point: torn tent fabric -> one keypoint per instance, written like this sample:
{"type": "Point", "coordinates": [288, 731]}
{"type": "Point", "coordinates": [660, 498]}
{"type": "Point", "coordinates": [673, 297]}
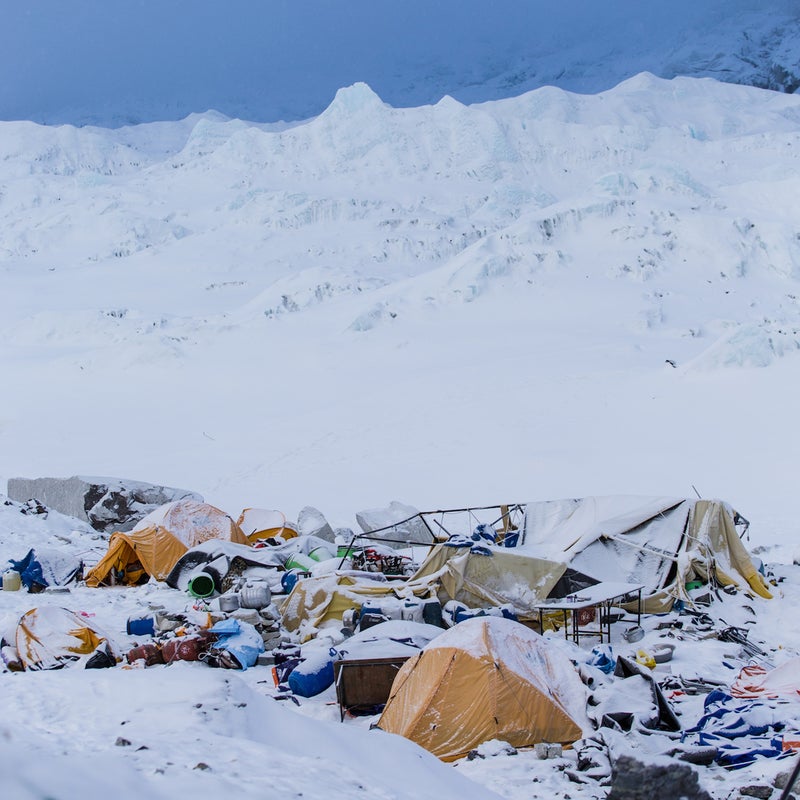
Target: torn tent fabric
{"type": "Point", "coordinates": [757, 681]}
{"type": "Point", "coordinates": [744, 729]}
{"type": "Point", "coordinates": [660, 542]}
{"type": "Point", "coordinates": [507, 578]}
{"type": "Point", "coordinates": [42, 567]}
{"type": "Point", "coordinates": [316, 601]}
{"type": "Point", "coordinates": [51, 638]}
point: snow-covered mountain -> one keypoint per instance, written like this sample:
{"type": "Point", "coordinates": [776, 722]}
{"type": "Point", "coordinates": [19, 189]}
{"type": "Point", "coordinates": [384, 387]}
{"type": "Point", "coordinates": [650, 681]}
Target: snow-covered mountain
{"type": "Point", "coordinates": [544, 296]}
{"type": "Point", "coordinates": [114, 63]}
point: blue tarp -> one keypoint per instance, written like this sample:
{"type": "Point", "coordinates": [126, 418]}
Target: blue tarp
{"type": "Point", "coordinates": [740, 729]}
{"type": "Point", "coordinates": [42, 567]}
{"type": "Point", "coordinates": [240, 639]}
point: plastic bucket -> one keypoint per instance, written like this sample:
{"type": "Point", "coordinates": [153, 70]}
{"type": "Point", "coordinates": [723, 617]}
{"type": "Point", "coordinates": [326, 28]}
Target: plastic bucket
{"type": "Point", "coordinates": [12, 582]}
{"type": "Point", "coordinates": [344, 551]}
{"type": "Point", "coordinates": [300, 561]}
{"type": "Point", "coordinates": [229, 602]}
{"type": "Point", "coordinates": [320, 554]}
{"type": "Point", "coordinates": [201, 585]}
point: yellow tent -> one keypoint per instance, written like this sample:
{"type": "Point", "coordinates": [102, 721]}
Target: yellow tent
{"type": "Point", "coordinates": [50, 637]}
{"type": "Point", "coordinates": [154, 546]}
{"type": "Point", "coordinates": [486, 678]}
{"type": "Point", "coordinates": [260, 523]}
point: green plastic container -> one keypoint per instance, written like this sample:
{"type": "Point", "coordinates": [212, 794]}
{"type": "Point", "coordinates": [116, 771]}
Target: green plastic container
{"type": "Point", "coordinates": [320, 554]}
{"type": "Point", "coordinates": [300, 561]}
{"type": "Point", "coordinates": [201, 585]}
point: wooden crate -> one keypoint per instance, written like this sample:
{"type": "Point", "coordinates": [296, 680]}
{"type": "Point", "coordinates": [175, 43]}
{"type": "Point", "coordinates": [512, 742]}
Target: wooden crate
{"type": "Point", "coordinates": [364, 685]}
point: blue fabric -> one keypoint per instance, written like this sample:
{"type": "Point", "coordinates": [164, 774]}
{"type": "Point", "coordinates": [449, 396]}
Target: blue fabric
{"type": "Point", "coordinates": [240, 639]}
{"type": "Point", "coordinates": [741, 730]}
{"type": "Point", "coordinates": [602, 657]}
{"type": "Point", "coordinates": [46, 568]}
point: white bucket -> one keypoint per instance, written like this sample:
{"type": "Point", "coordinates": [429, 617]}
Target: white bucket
{"type": "Point", "coordinates": [300, 561]}
{"type": "Point", "coordinates": [320, 553]}
{"type": "Point", "coordinates": [228, 602]}
{"type": "Point", "coordinates": [12, 582]}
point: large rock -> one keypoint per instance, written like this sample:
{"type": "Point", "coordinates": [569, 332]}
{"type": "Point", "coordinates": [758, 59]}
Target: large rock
{"type": "Point", "coordinates": [396, 525]}
{"type": "Point", "coordinates": [311, 522]}
{"type": "Point", "coordinates": [661, 779]}
{"type": "Point", "coordinates": [107, 504]}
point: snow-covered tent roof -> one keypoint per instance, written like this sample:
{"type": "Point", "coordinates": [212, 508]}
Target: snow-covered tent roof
{"type": "Point", "coordinates": [660, 542]}
{"type": "Point", "coordinates": [486, 678]}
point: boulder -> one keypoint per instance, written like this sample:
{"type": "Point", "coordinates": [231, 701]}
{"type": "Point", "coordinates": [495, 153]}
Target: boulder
{"type": "Point", "coordinates": [311, 522]}
{"type": "Point", "coordinates": [107, 504]}
{"type": "Point", "coordinates": [664, 779]}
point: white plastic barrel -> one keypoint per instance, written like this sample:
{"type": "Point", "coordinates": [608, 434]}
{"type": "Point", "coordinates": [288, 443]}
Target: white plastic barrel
{"type": "Point", "coordinates": [12, 582]}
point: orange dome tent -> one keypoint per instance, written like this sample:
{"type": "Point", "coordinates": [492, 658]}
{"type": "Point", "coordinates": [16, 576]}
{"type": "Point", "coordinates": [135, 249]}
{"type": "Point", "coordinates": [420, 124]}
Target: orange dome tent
{"type": "Point", "coordinates": [154, 546]}
{"type": "Point", "coordinates": [486, 678]}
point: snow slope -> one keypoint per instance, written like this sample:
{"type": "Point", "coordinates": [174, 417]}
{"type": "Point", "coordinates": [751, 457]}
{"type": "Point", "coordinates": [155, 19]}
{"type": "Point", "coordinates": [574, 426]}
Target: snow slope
{"type": "Point", "coordinates": [553, 295]}
{"type": "Point", "coordinates": [115, 63]}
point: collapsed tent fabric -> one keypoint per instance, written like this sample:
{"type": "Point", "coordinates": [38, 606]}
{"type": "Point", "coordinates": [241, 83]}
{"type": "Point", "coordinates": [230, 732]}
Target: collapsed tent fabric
{"type": "Point", "coordinates": [51, 637]}
{"type": "Point", "coordinates": [506, 577]}
{"type": "Point", "coordinates": [757, 681]}
{"type": "Point", "coordinates": [660, 542]}
{"type": "Point", "coordinates": [486, 678]}
{"type": "Point", "coordinates": [41, 567]}
{"type": "Point", "coordinates": [154, 546]}
{"type": "Point", "coordinates": [221, 559]}
{"type": "Point", "coordinates": [261, 523]}
{"type": "Point", "coordinates": [315, 601]}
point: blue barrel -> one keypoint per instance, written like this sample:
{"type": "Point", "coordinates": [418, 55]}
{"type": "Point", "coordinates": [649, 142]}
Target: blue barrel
{"type": "Point", "coordinates": [141, 626]}
{"type": "Point", "coordinates": [313, 675]}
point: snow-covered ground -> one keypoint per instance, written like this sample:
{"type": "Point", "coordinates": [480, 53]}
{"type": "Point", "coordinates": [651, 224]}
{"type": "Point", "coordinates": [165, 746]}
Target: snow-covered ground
{"type": "Point", "coordinates": [186, 727]}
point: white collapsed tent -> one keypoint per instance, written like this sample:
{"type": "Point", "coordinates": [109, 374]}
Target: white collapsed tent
{"type": "Point", "coordinates": [662, 543]}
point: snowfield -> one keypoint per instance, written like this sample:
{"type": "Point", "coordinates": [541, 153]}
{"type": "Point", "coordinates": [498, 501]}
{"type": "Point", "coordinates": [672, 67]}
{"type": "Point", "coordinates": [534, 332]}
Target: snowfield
{"type": "Point", "coordinates": [548, 296]}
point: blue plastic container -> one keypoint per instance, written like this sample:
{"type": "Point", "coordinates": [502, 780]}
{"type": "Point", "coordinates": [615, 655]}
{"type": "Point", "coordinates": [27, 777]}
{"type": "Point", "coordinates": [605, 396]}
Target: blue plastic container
{"type": "Point", "coordinates": [511, 539]}
{"type": "Point", "coordinates": [314, 675]}
{"type": "Point", "coordinates": [141, 626]}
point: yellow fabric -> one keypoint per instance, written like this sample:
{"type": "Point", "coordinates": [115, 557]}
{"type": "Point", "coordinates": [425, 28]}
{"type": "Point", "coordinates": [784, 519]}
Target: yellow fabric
{"type": "Point", "coordinates": [505, 577]}
{"type": "Point", "coordinates": [259, 523]}
{"type": "Point", "coordinates": [86, 641]}
{"type": "Point", "coordinates": [730, 557]}
{"type": "Point", "coordinates": [451, 699]}
{"type": "Point", "coordinates": [50, 637]}
{"type": "Point", "coordinates": [713, 550]}
{"type": "Point", "coordinates": [315, 601]}
{"type": "Point", "coordinates": [154, 546]}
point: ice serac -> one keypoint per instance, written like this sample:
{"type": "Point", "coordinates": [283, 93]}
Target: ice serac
{"type": "Point", "coordinates": [107, 504]}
